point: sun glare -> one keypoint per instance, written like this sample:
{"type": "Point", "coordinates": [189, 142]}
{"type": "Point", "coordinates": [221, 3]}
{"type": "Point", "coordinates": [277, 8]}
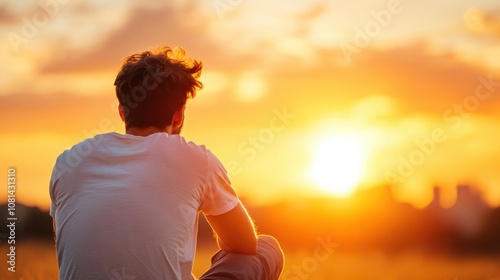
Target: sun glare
{"type": "Point", "coordinates": [338, 165]}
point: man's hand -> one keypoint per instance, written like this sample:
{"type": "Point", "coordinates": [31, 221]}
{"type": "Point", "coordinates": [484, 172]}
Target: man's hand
{"type": "Point", "coordinates": [235, 231]}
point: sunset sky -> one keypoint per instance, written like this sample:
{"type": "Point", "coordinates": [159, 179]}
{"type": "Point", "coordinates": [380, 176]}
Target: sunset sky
{"type": "Point", "coordinates": [300, 98]}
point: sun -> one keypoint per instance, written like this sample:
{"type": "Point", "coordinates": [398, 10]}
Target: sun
{"type": "Point", "coordinates": [338, 164]}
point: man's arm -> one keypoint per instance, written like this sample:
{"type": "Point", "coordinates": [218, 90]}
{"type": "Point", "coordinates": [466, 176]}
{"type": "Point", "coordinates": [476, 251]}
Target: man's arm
{"type": "Point", "coordinates": [235, 231]}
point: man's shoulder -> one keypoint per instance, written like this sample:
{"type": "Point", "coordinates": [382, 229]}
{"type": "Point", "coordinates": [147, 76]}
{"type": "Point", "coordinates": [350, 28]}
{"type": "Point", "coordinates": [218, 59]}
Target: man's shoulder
{"type": "Point", "coordinates": [86, 146]}
{"type": "Point", "coordinates": [72, 157]}
{"type": "Point", "coordinates": [191, 151]}
{"type": "Point", "coordinates": [177, 140]}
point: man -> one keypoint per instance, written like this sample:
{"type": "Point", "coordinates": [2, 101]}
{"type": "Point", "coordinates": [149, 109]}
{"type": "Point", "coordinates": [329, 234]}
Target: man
{"type": "Point", "coordinates": [125, 206]}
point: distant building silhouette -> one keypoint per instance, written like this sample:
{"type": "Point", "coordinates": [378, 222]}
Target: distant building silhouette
{"type": "Point", "coordinates": [467, 213]}
{"type": "Point", "coordinates": [436, 199]}
{"type": "Point", "coordinates": [469, 210]}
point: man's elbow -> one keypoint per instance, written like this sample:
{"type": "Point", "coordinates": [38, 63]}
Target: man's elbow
{"type": "Point", "coordinates": [246, 247]}
{"type": "Point", "coordinates": [249, 248]}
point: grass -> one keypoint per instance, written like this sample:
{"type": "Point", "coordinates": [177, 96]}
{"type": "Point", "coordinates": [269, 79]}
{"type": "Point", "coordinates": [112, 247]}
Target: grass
{"type": "Point", "coordinates": [35, 260]}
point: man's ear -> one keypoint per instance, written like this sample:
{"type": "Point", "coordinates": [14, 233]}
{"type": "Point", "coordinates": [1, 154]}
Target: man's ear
{"type": "Point", "coordinates": [120, 110]}
{"type": "Point", "coordinates": [178, 117]}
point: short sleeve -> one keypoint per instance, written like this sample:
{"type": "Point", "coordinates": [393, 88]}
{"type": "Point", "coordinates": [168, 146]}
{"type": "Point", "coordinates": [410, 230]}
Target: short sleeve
{"type": "Point", "coordinates": [219, 197]}
{"type": "Point", "coordinates": [52, 186]}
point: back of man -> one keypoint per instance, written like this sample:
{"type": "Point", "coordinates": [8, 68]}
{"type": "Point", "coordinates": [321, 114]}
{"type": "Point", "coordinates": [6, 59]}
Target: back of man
{"type": "Point", "coordinates": [125, 206]}
{"type": "Point", "coordinates": [131, 205]}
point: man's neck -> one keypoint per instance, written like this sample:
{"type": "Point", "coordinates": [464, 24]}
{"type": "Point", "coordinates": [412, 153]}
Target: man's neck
{"type": "Point", "coordinates": [145, 131]}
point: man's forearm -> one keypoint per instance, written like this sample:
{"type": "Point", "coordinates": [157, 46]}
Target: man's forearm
{"type": "Point", "coordinates": [236, 229]}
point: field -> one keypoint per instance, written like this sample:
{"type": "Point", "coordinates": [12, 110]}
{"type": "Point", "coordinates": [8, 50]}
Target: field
{"type": "Point", "coordinates": [36, 260]}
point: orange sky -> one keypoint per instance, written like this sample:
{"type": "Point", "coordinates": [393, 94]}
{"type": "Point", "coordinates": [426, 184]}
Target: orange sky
{"type": "Point", "coordinates": [415, 84]}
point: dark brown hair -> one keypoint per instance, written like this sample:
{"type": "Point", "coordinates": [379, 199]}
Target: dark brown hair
{"type": "Point", "coordinates": [152, 85]}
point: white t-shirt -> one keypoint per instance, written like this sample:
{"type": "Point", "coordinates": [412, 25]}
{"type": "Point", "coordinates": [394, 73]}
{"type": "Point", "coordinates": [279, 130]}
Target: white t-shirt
{"type": "Point", "coordinates": [126, 207]}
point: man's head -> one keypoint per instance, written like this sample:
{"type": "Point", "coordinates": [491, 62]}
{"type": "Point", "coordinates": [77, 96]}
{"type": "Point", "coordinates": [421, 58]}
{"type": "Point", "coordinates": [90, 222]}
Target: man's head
{"type": "Point", "coordinates": [153, 87]}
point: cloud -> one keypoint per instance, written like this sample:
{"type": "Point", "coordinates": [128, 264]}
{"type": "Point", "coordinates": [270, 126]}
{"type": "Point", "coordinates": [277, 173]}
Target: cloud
{"type": "Point", "coordinates": [374, 106]}
{"type": "Point", "coordinates": [420, 80]}
{"type": "Point", "coordinates": [7, 17]}
{"type": "Point", "coordinates": [64, 114]}
{"type": "Point", "coordinates": [250, 86]}
{"type": "Point", "coordinates": [401, 81]}
{"type": "Point", "coordinates": [145, 28]}
{"type": "Point", "coordinates": [420, 83]}
{"type": "Point", "coordinates": [485, 23]}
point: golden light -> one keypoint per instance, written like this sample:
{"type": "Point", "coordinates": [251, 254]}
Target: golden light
{"type": "Point", "coordinates": [338, 165]}
{"type": "Point", "coordinates": [250, 86]}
